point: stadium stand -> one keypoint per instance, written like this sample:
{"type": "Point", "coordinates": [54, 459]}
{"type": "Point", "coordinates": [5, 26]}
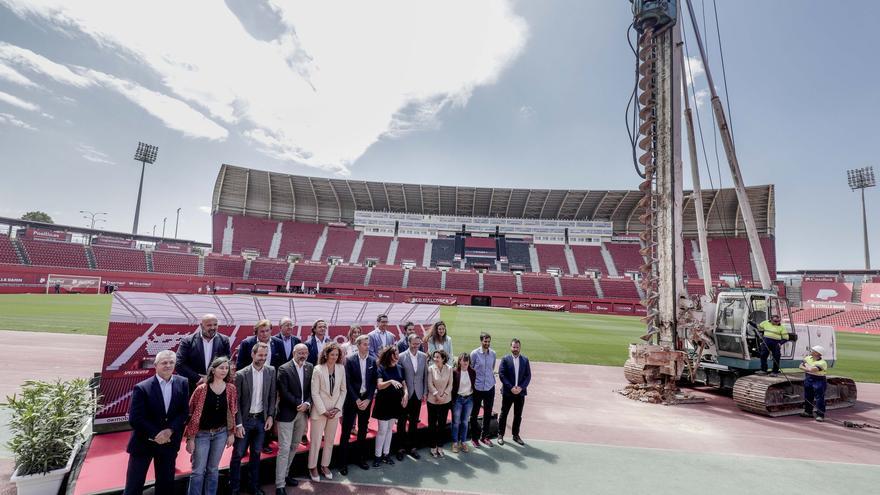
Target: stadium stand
{"type": "Point", "coordinates": [348, 274]}
{"type": "Point", "coordinates": [808, 315]}
{"type": "Point", "coordinates": [375, 247]}
{"type": "Point", "coordinates": [623, 288]}
{"type": "Point", "coordinates": [425, 279]}
{"type": "Point", "coordinates": [518, 255]}
{"type": "Point", "coordinates": [729, 256]}
{"type": "Point", "coordinates": [340, 242]}
{"type": "Point", "coordinates": [121, 259]}
{"type": "Point", "coordinates": [462, 280]}
{"type": "Point", "coordinates": [850, 318]}
{"type": "Point", "coordinates": [387, 277]}
{"type": "Point", "coordinates": [552, 256]}
{"type": "Point", "coordinates": [533, 283]}
{"type": "Point", "coordinates": [267, 269]}
{"type": "Point", "coordinates": [48, 253]}
{"type": "Point", "coordinates": [497, 282]}
{"type": "Point", "coordinates": [443, 251]}
{"type": "Point", "coordinates": [626, 256]}
{"type": "Point", "coordinates": [299, 238]}
{"type": "Point", "coordinates": [306, 272]}
{"type": "Point", "coordinates": [7, 251]}
{"type": "Point", "coordinates": [224, 266]}
{"type": "Point", "coordinates": [252, 233]}
{"type": "Point", "coordinates": [410, 249]}
{"type": "Point", "coordinates": [589, 258]}
{"type": "Point", "coordinates": [184, 264]}
{"type": "Point", "coordinates": [578, 286]}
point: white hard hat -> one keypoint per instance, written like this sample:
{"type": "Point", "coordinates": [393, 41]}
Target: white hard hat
{"type": "Point", "coordinates": [818, 348]}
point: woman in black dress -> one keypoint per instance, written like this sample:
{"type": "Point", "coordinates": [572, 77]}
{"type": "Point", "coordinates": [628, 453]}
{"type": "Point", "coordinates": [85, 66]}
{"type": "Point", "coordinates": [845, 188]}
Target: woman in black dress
{"type": "Point", "coordinates": [390, 401]}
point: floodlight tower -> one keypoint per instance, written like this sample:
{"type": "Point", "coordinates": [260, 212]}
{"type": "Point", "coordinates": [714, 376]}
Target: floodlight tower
{"type": "Point", "coordinates": [861, 179]}
{"type": "Point", "coordinates": [146, 153]}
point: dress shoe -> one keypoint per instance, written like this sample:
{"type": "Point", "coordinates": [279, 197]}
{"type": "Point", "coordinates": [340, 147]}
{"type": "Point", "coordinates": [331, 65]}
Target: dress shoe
{"type": "Point", "coordinates": [363, 465]}
{"type": "Point", "coordinates": [464, 447]}
{"type": "Point", "coordinates": [806, 415]}
{"type": "Point", "coordinates": [326, 472]}
{"type": "Point", "coordinates": [500, 440]}
{"type": "Point", "coordinates": [486, 442]}
{"type": "Point", "coordinates": [518, 439]}
{"type": "Point", "coordinates": [388, 460]}
{"type": "Point", "coordinates": [291, 481]}
{"type": "Point", "coordinates": [400, 454]}
{"type": "Point", "coordinates": [820, 419]}
{"type": "Point", "coordinates": [476, 443]}
{"type": "Point", "coordinates": [377, 462]}
{"type": "Point", "coordinates": [414, 454]}
{"type": "Point", "coordinates": [267, 450]}
{"type": "Point", "coordinates": [343, 470]}
{"type": "Point", "coordinates": [455, 448]}
{"type": "Point", "coordinates": [280, 491]}
{"type": "Point", "coordinates": [313, 474]}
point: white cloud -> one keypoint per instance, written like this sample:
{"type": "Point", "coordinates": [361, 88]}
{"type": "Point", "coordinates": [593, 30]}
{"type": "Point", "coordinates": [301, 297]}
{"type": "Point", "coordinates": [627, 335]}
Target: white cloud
{"type": "Point", "coordinates": [205, 209]}
{"type": "Point", "coordinates": [172, 112]}
{"type": "Point", "coordinates": [329, 85]}
{"type": "Point", "coordinates": [15, 77]}
{"type": "Point", "coordinates": [694, 69]}
{"type": "Point", "coordinates": [39, 64]}
{"type": "Point", "coordinates": [8, 118]}
{"type": "Point", "coordinates": [18, 102]}
{"type": "Point", "coordinates": [93, 155]}
{"type": "Point", "coordinates": [702, 96]}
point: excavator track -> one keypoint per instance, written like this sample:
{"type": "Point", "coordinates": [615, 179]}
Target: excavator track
{"type": "Point", "coordinates": [634, 373]}
{"type": "Point", "coordinates": [783, 395]}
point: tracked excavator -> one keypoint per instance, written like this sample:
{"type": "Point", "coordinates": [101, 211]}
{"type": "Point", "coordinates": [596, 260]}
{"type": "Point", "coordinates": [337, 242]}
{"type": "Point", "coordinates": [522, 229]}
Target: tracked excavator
{"type": "Point", "coordinates": [712, 340]}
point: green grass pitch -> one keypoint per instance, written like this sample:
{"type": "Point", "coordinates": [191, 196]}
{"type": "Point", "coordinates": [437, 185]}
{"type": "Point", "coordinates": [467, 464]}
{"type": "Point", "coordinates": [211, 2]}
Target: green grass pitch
{"type": "Point", "coordinates": [546, 336]}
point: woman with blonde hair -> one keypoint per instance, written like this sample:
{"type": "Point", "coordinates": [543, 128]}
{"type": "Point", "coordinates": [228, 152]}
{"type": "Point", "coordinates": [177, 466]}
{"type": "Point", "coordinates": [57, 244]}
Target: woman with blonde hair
{"type": "Point", "coordinates": [211, 426]}
{"type": "Point", "coordinates": [328, 396]}
{"type": "Point", "coordinates": [437, 339]}
{"type": "Point", "coordinates": [349, 348]}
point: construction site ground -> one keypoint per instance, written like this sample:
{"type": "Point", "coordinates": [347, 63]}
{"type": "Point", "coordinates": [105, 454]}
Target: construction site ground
{"type": "Point", "coordinates": [581, 437]}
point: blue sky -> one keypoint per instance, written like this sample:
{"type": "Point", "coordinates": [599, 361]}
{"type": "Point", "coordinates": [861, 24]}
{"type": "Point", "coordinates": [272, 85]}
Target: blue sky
{"type": "Point", "coordinates": [494, 93]}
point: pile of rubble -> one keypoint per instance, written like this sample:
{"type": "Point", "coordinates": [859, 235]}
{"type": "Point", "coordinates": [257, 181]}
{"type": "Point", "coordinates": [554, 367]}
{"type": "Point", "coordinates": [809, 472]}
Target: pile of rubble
{"type": "Point", "coordinates": [658, 394]}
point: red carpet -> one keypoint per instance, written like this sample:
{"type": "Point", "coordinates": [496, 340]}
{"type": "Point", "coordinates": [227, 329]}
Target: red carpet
{"type": "Point", "coordinates": [105, 463]}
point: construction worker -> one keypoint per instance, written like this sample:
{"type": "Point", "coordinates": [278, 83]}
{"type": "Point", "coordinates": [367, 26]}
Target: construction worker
{"type": "Point", "coordinates": [815, 369]}
{"type": "Point", "coordinates": [774, 336]}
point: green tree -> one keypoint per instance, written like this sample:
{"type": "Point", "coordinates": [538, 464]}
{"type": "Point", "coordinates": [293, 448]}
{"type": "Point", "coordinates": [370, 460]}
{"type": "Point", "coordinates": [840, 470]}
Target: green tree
{"type": "Point", "coordinates": [37, 216]}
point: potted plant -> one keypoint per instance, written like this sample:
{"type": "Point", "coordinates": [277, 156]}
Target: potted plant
{"type": "Point", "coordinates": [49, 423]}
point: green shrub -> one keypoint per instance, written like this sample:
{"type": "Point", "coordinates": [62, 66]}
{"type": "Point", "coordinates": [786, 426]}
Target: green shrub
{"type": "Point", "coordinates": [46, 424]}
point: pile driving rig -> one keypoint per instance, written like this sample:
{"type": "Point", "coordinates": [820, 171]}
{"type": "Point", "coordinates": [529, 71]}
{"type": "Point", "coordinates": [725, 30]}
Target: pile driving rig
{"type": "Point", "coordinates": [713, 340]}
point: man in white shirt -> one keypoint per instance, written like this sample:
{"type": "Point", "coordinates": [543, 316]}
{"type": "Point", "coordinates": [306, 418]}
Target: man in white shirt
{"type": "Point", "coordinates": [380, 337]}
{"type": "Point", "coordinates": [256, 411]}
{"type": "Point", "coordinates": [283, 343]}
{"type": "Point", "coordinates": [196, 351]}
{"type": "Point", "coordinates": [294, 402]}
{"type": "Point", "coordinates": [361, 376]}
{"type": "Point", "coordinates": [515, 374]}
{"type": "Point", "coordinates": [415, 372]}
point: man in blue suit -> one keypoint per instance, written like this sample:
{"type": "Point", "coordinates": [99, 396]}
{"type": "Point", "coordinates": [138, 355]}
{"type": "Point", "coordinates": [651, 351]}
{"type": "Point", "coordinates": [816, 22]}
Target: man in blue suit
{"type": "Point", "coordinates": [283, 344]}
{"type": "Point", "coordinates": [262, 333]}
{"type": "Point", "coordinates": [515, 375]}
{"type": "Point", "coordinates": [197, 351]}
{"type": "Point", "coordinates": [317, 341]}
{"type": "Point", "coordinates": [158, 413]}
{"type": "Point", "coordinates": [361, 377]}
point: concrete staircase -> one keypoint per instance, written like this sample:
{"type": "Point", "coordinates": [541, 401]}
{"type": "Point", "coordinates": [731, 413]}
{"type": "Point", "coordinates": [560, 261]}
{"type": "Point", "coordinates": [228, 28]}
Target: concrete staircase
{"type": "Point", "coordinates": [443, 279]}
{"type": "Point", "coordinates": [368, 276]}
{"type": "Point", "coordinates": [228, 232]}
{"type": "Point", "coordinates": [201, 271]}
{"type": "Point", "coordinates": [289, 272]}
{"type": "Point", "coordinates": [405, 279]}
{"type": "Point", "coordinates": [480, 282]}
{"type": "Point", "coordinates": [319, 246]}
{"type": "Point", "coordinates": [519, 284]}
{"type": "Point", "coordinates": [598, 287]}
{"type": "Point", "coordinates": [276, 242]}
{"type": "Point", "coordinates": [609, 261]}
{"type": "Point", "coordinates": [356, 250]}
{"type": "Point", "coordinates": [392, 252]}
{"type": "Point", "coordinates": [90, 257]}
{"type": "Point", "coordinates": [533, 258]}
{"type": "Point", "coordinates": [21, 252]}
{"type": "Point", "coordinates": [149, 256]}
{"type": "Point", "coordinates": [426, 254]}
{"type": "Point", "coordinates": [329, 273]}
{"type": "Point", "coordinates": [558, 285]}
{"type": "Point", "coordinates": [247, 269]}
{"type": "Point", "coordinates": [572, 263]}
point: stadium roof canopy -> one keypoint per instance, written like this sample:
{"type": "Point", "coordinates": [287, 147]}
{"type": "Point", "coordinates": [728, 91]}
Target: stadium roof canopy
{"type": "Point", "coordinates": [264, 194]}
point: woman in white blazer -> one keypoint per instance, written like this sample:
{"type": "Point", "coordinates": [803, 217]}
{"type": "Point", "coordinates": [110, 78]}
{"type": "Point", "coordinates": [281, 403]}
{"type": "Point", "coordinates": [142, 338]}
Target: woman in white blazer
{"type": "Point", "coordinates": [328, 396]}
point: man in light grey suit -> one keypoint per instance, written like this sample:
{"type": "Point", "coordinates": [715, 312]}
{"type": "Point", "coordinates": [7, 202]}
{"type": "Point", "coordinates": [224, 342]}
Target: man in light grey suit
{"type": "Point", "coordinates": [415, 371]}
{"type": "Point", "coordinates": [256, 410]}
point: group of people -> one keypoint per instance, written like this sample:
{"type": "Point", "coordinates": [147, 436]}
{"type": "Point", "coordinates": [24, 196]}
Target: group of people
{"type": "Point", "coordinates": [284, 386]}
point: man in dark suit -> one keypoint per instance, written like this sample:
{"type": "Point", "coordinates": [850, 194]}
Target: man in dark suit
{"type": "Point", "coordinates": [262, 333]}
{"type": "Point", "coordinates": [295, 400]}
{"type": "Point", "coordinates": [361, 376]}
{"type": "Point", "coordinates": [515, 375]}
{"type": "Point", "coordinates": [409, 328]}
{"type": "Point", "coordinates": [317, 341]}
{"type": "Point", "coordinates": [415, 372]}
{"type": "Point", "coordinates": [158, 413]}
{"type": "Point", "coordinates": [256, 410]}
{"type": "Point", "coordinates": [283, 344]}
{"type": "Point", "coordinates": [196, 351]}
